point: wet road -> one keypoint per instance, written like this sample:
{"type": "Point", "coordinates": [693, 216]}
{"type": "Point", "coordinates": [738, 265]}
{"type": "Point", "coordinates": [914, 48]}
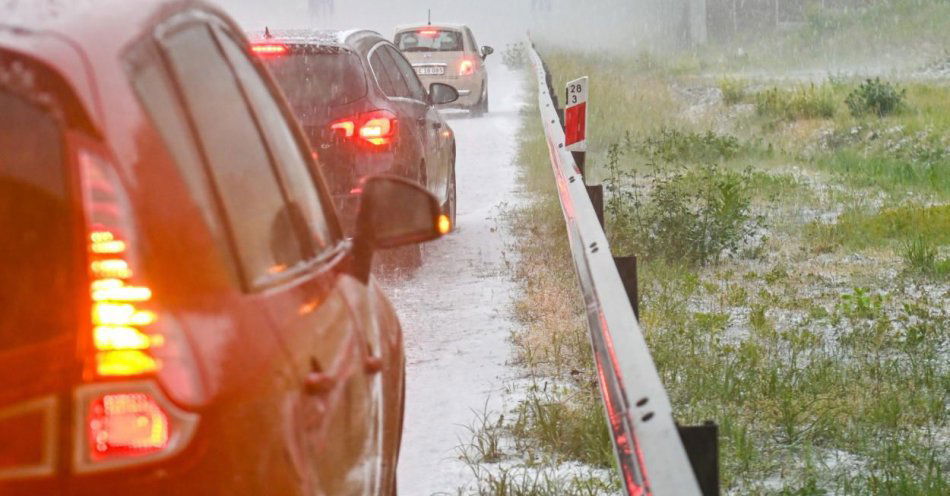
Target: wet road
{"type": "Point", "coordinates": [455, 310]}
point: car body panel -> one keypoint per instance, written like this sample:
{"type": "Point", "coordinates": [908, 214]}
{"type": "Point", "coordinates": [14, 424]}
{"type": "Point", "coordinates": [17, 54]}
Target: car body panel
{"type": "Point", "coordinates": [252, 348]}
{"type": "Point", "coordinates": [345, 163]}
{"type": "Point", "coordinates": [470, 87]}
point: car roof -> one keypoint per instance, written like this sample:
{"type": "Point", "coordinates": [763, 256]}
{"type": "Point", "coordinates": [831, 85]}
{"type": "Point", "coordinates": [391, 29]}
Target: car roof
{"type": "Point", "coordinates": [322, 37]}
{"type": "Point", "coordinates": [442, 25]}
{"type": "Point", "coordinates": [84, 40]}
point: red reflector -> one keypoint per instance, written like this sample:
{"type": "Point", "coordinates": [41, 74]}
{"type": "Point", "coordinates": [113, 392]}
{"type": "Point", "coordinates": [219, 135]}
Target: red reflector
{"type": "Point", "coordinates": [269, 49]}
{"type": "Point", "coordinates": [126, 424]}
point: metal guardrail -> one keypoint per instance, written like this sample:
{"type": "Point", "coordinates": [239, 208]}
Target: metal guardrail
{"type": "Point", "coordinates": [650, 454]}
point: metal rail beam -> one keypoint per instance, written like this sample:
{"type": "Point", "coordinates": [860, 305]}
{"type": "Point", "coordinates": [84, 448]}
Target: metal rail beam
{"type": "Point", "coordinates": [650, 454]}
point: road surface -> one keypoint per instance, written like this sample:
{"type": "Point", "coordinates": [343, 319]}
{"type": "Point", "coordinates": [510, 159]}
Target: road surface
{"type": "Point", "coordinates": [456, 309]}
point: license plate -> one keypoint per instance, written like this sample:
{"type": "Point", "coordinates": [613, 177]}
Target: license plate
{"type": "Point", "coordinates": [431, 70]}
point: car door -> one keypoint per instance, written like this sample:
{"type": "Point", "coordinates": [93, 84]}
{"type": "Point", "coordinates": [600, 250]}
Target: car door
{"type": "Point", "coordinates": [287, 248]}
{"type": "Point", "coordinates": [341, 396]}
{"type": "Point", "coordinates": [434, 129]}
{"type": "Point", "coordinates": [412, 111]}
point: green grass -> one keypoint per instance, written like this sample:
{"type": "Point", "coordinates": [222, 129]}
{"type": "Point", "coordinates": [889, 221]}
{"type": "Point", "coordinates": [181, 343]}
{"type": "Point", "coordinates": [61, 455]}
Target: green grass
{"type": "Point", "coordinates": [828, 375]}
{"type": "Point", "coordinates": [856, 228]}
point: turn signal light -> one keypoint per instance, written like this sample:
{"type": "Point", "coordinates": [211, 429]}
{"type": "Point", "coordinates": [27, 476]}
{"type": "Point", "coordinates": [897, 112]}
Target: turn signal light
{"type": "Point", "coordinates": [444, 224]}
{"type": "Point", "coordinates": [123, 424]}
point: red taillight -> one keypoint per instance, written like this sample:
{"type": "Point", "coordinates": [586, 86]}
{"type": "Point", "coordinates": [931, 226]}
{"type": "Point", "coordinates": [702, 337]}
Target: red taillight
{"type": "Point", "coordinates": [466, 68]}
{"type": "Point", "coordinates": [345, 127]}
{"type": "Point", "coordinates": [126, 424]}
{"type": "Point", "coordinates": [121, 424]}
{"type": "Point", "coordinates": [376, 128]}
{"type": "Point", "coordinates": [430, 33]}
{"type": "Point", "coordinates": [265, 49]}
{"type": "Point", "coordinates": [120, 317]}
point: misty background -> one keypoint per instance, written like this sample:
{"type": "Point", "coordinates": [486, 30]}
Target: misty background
{"type": "Point", "coordinates": [591, 23]}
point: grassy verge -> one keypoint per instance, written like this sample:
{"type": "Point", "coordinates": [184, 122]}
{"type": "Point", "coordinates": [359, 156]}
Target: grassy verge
{"type": "Point", "coordinates": [555, 439]}
{"type": "Point", "coordinates": [795, 277]}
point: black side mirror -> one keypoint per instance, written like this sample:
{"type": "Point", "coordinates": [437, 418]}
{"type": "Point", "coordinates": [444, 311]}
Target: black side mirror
{"type": "Point", "coordinates": [393, 212]}
{"type": "Point", "coordinates": [486, 51]}
{"type": "Point", "coordinates": [441, 94]}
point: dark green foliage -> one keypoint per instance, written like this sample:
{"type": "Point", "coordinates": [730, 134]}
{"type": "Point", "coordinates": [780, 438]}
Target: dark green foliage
{"type": "Point", "coordinates": [875, 97]}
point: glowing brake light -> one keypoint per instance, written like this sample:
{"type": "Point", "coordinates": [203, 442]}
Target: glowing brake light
{"type": "Point", "coordinates": [345, 127]}
{"type": "Point", "coordinates": [120, 342]}
{"type": "Point", "coordinates": [466, 68]}
{"type": "Point", "coordinates": [269, 49]}
{"type": "Point", "coordinates": [430, 33]}
{"type": "Point", "coordinates": [376, 128]}
{"type": "Point", "coordinates": [126, 424]}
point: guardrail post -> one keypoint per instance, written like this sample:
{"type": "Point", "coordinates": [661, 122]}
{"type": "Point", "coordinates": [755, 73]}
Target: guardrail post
{"type": "Point", "coordinates": [702, 447]}
{"type": "Point", "coordinates": [580, 158]}
{"type": "Point", "coordinates": [627, 267]}
{"type": "Point", "coordinates": [596, 194]}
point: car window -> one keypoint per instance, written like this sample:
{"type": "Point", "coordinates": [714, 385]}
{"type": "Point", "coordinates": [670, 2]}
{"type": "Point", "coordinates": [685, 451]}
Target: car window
{"type": "Point", "coordinates": [429, 40]}
{"type": "Point", "coordinates": [287, 152]}
{"type": "Point", "coordinates": [416, 90]}
{"type": "Point", "coordinates": [471, 40]}
{"type": "Point", "coordinates": [316, 79]}
{"type": "Point", "coordinates": [157, 95]}
{"type": "Point", "coordinates": [37, 259]}
{"type": "Point", "coordinates": [261, 224]}
{"type": "Point", "coordinates": [400, 87]}
{"type": "Point", "coordinates": [376, 61]}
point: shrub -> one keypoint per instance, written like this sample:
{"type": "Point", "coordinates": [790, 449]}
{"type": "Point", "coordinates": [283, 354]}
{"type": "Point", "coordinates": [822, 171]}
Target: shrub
{"type": "Point", "coordinates": [875, 97]}
{"type": "Point", "coordinates": [688, 216]}
{"type": "Point", "coordinates": [733, 90]}
{"type": "Point", "coordinates": [805, 102]}
{"type": "Point", "coordinates": [672, 145]}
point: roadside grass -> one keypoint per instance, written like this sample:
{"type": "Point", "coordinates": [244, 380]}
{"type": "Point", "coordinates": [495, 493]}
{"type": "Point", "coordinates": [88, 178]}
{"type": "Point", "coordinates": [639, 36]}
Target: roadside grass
{"type": "Point", "coordinates": [815, 330]}
{"type": "Point", "coordinates": [554, 441]}
{"type": "Point", "coordinates": [896, 32]}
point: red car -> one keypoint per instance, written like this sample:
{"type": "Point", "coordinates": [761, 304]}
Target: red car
{"type": "Point", "coordinates": [179, 310]}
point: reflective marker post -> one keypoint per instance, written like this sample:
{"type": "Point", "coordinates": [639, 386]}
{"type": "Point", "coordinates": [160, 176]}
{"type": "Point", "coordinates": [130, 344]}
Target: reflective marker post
{"type": "Point", "coordinates": [575, 120]}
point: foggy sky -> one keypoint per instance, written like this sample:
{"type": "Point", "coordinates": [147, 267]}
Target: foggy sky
{"type": "Point", "coordinates": [592, 23]}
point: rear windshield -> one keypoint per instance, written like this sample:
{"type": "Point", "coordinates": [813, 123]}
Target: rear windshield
{"type": "Point", "coordinates": [36, 256]}
{"type": "Point", "coordinates": [314, 82]}
{"type": "Point", "coordinates": [429, 40]}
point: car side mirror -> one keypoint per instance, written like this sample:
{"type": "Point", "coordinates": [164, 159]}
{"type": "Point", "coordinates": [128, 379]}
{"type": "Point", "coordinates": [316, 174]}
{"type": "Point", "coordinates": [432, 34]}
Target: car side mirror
{"type": "Point", "coordinates": [486, 51]}
{"type": "Point", "coordinates": [393, 212]}
{"type": "Point", "coordinates": [441, 94]}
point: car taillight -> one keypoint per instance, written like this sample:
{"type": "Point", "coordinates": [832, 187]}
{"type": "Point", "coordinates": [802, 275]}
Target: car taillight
{"type": "Point", "coordinates": [122, 424]}
{"type": "Point", "coordinates": [466, 68]}
{"type": "Point", "coordinates": [127, 423]}
{"type": "Point", "coordinates": [269, 49]}
{"type": "Point", "coordinates": [375, 129]}
{"type": "Point", "coordinates": [121, 340]}
{"type": "Point", "coordinates": [123, 417]}
{"type": "Point", "coordinates": [429, 33]}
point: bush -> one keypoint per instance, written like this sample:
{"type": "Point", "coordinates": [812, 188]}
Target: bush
{"type": "Point", "coordinates": [688, 216]}
{"type": "Point", "coordinates": [672, 145]}
{"type": "Point", "coordinates": [733, 90]}
{"type": "Point", "coordinates": [875, 97]}
{"type": "Point", "coordinates": [805, 102]}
